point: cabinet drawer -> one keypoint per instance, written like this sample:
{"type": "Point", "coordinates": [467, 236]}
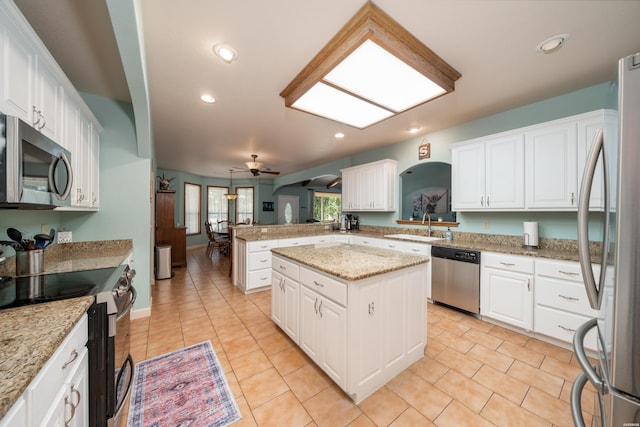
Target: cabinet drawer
{"type": "Point", "coordinates": [50, 380]}
{"type": "Point", "coordinates": [325, 286]}
{"type": "Point", "coordinates": [259, 260]}
{"type": "Point", "coordinates": [285, 267]}
{"type": "Point", "coordinates": [508, 262]}
{"type": "Point", "coordinates": [564, 270]}
{"type": "Point", "coordinates": [259, 278]}
{"type": "Point", "coordinates": [296, 241]}
{"type": "Point", "coordinates": [561, 325]}
{"type": "Point", "coordinates": [261, 245]}
{"type": "Point", "coordinates": [564, 295]}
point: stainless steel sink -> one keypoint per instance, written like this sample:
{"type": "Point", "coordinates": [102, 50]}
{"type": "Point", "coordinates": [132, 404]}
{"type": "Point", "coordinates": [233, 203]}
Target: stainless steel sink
{"type": "Point", "coordinates": [413, 237]}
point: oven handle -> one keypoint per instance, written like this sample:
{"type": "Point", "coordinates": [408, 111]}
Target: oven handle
{"type": "Point", "coordinates": [134, 295]}
{"type": "Point", "coordinates": [128, 389]}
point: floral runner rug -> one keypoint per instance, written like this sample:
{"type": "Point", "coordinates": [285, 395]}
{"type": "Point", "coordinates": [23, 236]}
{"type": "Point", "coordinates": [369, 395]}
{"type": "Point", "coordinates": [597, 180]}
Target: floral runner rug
{"type": "Point", "coordinates": [186, 387]}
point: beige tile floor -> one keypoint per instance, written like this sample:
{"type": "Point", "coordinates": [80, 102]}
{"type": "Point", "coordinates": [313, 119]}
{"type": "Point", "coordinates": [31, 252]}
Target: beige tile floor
{"type": "Point", "coordinates": [473, 373]}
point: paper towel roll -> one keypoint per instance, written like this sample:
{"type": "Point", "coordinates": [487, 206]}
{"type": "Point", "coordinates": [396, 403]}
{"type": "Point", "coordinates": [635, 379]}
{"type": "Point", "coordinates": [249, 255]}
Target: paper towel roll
{"type": "Point", "coordinates": [530, 233]}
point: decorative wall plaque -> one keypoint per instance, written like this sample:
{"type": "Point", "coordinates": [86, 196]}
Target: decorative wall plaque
{"type": "Point", "coordinates": [424, 150]}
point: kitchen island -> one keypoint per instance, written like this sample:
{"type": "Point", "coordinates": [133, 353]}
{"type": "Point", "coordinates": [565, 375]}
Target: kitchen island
{"type": "Point", "coordinates": [358, 312]}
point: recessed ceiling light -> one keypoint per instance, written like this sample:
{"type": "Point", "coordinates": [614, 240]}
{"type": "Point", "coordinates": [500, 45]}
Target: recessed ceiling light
{"type": "Point", "coordinates": [225, 52]}
{"type": "Point", "coordinates": [339, 135]}
{"type": "Point", "coordinates": [552, 43]}
{"type": "Point", "coordinates": [208, 99]}
{"type": "Point", "coordinates": [413, 129]}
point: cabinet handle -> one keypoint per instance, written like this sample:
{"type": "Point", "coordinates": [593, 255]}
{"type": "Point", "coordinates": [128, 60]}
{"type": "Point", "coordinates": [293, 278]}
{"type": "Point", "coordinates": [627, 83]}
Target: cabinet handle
{"type": "Point", "coordinates": [44, 120]}
{"type": "Point", "coordinates": [573, 196]}
{"type": "Point", "coordinates": [282, 267]}
{"type": "Point", "coordinates": [487, 201]}
{"type": "Point", "coordinates": [566, 329]}
{"type": "Point", "coordinates": [320, 308]}
{"type": "Point", "coordinates": [73, 411]}
{"type": "Point", "coordinates": [482, 201]}
{"type": "Point", "coordinates": [371, 308]}
{"type": "Point", "coordinates": [507, 264]}
{"type": "Point", "coordinates": [318, 284]}
{"type": "Point", "coordinates": [315, 306]}
{"type": "Point", "coordinates": [529, 285]}
{"type": "Point", "coordinates": [264, 260]}
{"type": "Point", "coordinates": [37, 116]}
{"type": "Point", "coordinates": [391, 246]}
{"type": "Point", "coordinates": [569, 298]}
{"type": "Point", "coordinates": [75, 391]}
{"type": "Point", "coordinates": [74, 356]}
{"type": "Point", "coordinates": [568, 273]}
{"type": "Point", "coordinates": [263, 278]}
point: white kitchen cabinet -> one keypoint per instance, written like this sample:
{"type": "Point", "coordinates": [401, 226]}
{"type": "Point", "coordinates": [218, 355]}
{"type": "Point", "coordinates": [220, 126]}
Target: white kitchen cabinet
{"type": "Point", "coordinates": [370, 187]}
{"type": "Point", "coordinates": [506, 289]}
{"type": "Point", "coordinates": [488, 174]}
{"type": "Point", "coordinates": [18, 68]}
{"type": "Point", "coordinates": [552, 177]}
{"type": "Point", "coordinates": [367, 241]}
{"type": "Point", "coordinates": [46, 102]}
{"type": "Point", "coordinates": [420, 249]}
{"type": "Point", "coordinates": [561, 303]}
{"type": "Point", "coordinates": [59, 392]}
{"type": "Point", "coordinates": [254, 264]}
{"type": "Point", "coordinates": [360, 333]}
{"type": "Point", "coordinates": [285, 304]}
{"type": "Point", "coordinates": [588, 125]}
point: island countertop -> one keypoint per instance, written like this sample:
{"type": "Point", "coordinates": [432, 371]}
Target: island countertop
{"type": "Point", "coordinates": [349, 262]}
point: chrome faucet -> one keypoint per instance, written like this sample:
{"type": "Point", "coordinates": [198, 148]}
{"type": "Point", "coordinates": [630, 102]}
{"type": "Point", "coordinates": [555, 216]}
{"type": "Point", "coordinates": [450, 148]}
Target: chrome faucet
{"type": "Point", "coordinates": [426, 215]}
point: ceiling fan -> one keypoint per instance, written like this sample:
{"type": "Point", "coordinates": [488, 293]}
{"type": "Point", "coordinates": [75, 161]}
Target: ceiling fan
{"type": "Point", "coordinates": [256, 167]}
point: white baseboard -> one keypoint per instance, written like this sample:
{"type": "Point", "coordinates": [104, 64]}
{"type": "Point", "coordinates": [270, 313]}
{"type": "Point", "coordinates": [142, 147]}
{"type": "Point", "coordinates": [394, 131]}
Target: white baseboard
{"type": "Point", "coordinates": [142, 312]}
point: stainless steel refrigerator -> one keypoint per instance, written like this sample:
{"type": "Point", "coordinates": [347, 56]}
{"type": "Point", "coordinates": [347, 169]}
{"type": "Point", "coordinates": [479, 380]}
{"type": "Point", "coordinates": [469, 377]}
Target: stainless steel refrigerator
{"type": "Point", "coordinates": [613, 164]}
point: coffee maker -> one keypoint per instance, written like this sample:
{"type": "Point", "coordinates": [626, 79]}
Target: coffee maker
{"type": "Point", "coordinates": [351, 222]}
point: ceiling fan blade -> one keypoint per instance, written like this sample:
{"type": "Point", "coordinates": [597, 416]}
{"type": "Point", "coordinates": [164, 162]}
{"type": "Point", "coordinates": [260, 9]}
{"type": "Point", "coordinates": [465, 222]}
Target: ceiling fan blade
{"type": "Point", "coordinates": [271, 172]}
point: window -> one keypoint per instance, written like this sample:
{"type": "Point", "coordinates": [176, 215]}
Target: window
{"type": "Point", "coordinates": [192, 208]}
{"type": "Point", "coordinates": [327, 206]}
{"type": "Point", "coordinates": [244, 205]}
{"type": "Point", "coordinates": [217, 205]}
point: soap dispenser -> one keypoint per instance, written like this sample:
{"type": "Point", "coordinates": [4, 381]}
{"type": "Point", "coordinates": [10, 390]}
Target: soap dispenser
{"type": "Point", "coordinates": [447, 235]}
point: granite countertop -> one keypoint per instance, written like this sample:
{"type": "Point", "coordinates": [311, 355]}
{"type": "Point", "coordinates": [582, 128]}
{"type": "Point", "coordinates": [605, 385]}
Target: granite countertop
{"type": "Point", "coordinates": [28, 338]}
{"type": "Point", "coordinates": [349, 262]}
{"type": "Point", "coordinates": [30, 335]}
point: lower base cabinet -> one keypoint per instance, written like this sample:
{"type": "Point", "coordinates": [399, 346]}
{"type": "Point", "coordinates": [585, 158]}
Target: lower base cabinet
{"type": "Point", "coordinates": [362, 333]}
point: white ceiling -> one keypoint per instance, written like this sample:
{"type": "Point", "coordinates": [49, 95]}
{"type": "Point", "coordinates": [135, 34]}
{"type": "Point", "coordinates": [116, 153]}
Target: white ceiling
{"type": "Point", "coordinates": [490, 42]}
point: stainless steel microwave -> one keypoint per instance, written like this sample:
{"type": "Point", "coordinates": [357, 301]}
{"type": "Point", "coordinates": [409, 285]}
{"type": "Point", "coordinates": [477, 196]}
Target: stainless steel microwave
{"type": "Point", "coordinates": [35, 172]}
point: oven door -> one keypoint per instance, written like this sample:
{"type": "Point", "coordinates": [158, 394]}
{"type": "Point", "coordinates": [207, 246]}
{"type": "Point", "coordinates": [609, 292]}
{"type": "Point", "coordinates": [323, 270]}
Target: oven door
{"type": "Point", "coordinates": [124, 366]}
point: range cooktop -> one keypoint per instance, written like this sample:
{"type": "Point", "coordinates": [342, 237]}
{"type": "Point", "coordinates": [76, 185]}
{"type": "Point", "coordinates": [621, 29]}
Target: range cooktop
{"type": "Point", "coordinates": [21, 291]}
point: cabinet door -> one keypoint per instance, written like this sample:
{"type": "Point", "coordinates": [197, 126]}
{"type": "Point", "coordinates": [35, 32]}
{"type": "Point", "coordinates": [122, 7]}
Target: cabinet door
{"type": "Point", "coordinates": [71, 406]}
{"type": "Point", "coordinates": [291, 305]}
{"type": "Point", "coordinates": [468, 177]}
{"type": "Point", "coordinates": [505, 173]}
{"type": "Point", "coordinates": [309, 327]}
{"type": "Point", "coordinates": [46, 101]}
{"type": "Point", "coordinates": [551, 162]}
{"type": "Point", "coordinates": [351, 189]}
{"type": "Point", "coordinates": [18, 67]}
{"type": "Point", "coordinates": [507, 297]}
{"type": "Point", "coordinates": [277, 299]}
{"type": "Point", "coordinates": [333, 340]}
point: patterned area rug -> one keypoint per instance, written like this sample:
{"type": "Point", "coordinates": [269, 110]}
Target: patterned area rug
{"type": "Point", "coordinates": [183, 388]}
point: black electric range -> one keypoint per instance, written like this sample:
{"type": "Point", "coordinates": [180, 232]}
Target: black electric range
{"type": "Point", "coordinates": [27, 290]}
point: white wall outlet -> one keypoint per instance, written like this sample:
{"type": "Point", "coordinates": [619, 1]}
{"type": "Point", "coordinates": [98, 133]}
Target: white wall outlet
{"type": "Point", "coordinates": [263, 230]}
{"type": "Point", "coordinates": [64, 237]}
{"type": "Point", "coordinates": [485, 224]}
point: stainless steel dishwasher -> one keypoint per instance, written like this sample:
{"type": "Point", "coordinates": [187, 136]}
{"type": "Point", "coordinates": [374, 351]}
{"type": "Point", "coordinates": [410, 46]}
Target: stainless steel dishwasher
{"type": "Point", "coordinates": [455, 278]}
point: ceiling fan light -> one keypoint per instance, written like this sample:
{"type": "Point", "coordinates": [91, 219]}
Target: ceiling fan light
{"type": "Point", "coordinates": [253, 165]}
{"type": "Point", "coordinates": [231, 196]}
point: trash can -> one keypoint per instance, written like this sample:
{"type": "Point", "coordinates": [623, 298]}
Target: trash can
{"type": "Point", "coordinates": [163, 262]}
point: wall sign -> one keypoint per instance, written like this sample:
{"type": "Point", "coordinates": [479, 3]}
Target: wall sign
{"type": "Point", "coordinates": [424, 150]}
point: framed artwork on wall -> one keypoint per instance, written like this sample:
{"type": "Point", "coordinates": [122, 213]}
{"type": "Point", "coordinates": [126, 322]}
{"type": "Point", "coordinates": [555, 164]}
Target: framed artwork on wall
{"type": "Point", "coordinates": [267, 206]}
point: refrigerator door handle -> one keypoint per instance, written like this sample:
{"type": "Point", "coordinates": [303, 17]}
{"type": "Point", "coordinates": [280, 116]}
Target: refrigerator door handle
{"type": "Point", "coordinates": [576, 404]}
{"type": "Point", "coordinates": [593, 293]}
{"type": "Point", "coordinates": [583, 360]}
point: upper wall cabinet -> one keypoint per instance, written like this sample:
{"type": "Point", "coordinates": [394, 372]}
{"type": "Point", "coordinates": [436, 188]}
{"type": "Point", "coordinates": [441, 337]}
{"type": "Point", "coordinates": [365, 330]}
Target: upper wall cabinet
{"type": "Point", "coordinates": [370, 187]}
{"type": "Point", "coordinates": [34, 88]}
{"type": "Point", "coordinates": [488, 174]}
{"type": "Point", "coordinates": [535, 168]}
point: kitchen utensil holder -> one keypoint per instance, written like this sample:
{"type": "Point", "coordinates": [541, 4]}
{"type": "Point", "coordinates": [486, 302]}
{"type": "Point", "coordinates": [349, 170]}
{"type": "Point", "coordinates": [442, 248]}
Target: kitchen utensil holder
{"type": "Point", "coordinates": [29, 262]}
